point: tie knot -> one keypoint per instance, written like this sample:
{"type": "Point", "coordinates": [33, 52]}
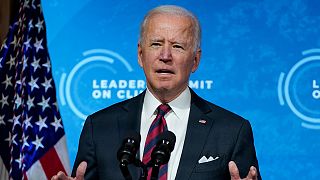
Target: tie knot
{"type": "Point", "coordinates": [163, 109]}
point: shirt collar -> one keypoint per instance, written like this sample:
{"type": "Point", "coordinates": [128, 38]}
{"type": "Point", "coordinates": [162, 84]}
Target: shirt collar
{"type": "Point", "coordinates": [179, 105]}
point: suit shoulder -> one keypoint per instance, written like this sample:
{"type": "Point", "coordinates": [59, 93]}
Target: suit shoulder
{"type": "Point", "coordinates": [214, 110]}
{"type": "Point", "coordinates": [116, 108]}
{"type": "Point", "coordinates": [224, 116]}
{"type": "Point", "coordinates": [225, 112]}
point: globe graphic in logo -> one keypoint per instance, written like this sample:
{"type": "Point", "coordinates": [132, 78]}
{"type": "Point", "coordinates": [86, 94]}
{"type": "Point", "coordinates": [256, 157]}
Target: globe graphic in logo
{"type": "Point", "coordinates": [299, 89]}
{"type": "Point", "coordinates": [100, 79]}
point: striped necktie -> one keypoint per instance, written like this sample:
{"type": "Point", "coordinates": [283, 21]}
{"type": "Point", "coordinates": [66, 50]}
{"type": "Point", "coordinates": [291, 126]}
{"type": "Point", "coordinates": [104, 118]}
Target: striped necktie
{"type": "Point", "coordinates": [157, 127]}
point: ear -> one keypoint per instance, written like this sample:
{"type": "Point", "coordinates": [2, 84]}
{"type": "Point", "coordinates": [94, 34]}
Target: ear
{"type": "Point", "coordinates": [140, 55]}
{"type": "Point", "coordinates": [196, 60]}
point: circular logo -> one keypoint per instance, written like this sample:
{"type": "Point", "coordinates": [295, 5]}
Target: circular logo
{"type": "Point", "coordinates": [300, 89]}
{"type": "Point", "coordinates": [101, 78]}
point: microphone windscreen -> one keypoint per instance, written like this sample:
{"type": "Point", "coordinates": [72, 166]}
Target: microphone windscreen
{"type": "Point", "coordinates": [168, 136]}
{"type": "Point", "coordinates": [133, 135]}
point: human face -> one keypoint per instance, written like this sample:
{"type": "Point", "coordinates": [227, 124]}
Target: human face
{"type": "Point", "coordinates": [167, 55]}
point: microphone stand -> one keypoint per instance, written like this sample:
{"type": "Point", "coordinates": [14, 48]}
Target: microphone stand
{"type": "Point", "coordinates": [144, 172]}
{"type": "Point", "coordinates": [125, 171]}
{"type": "Point", "coordinates": [155, 171]}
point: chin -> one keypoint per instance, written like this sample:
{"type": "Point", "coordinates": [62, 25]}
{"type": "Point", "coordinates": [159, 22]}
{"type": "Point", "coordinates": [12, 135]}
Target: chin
{"type": "Point", "coordinates": [165, 86]}
{"type": "Point", "coordinates": [162, 89]}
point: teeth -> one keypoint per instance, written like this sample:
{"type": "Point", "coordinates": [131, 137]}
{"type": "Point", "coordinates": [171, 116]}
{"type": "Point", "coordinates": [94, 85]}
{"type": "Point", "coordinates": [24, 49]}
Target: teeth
{"type": "Point", "coordinates": [164, 71]}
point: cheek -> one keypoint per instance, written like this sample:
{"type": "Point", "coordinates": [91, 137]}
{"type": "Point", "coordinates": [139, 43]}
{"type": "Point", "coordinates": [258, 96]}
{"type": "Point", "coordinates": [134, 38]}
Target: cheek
{"type": "Point", "coordinates": [148, 59]}
{"type": "Point", "coordinates": [187, 70]}
{"type": "Point", "coordinates": [144, 63]}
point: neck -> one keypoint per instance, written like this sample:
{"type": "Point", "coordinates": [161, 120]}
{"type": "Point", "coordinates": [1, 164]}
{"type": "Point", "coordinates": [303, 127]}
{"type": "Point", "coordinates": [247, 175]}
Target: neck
{"type": "Point", "coordinates": [165, 96]}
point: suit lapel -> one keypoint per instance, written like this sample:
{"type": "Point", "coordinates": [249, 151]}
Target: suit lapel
{"type": "Point", "coordinates": [130, 117]}
{"type": "Point", "coordinates": [129, 120]}
{"type": "Point", "coordinates": [199, 126]}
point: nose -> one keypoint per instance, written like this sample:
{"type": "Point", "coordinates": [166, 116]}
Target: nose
{"type": "Point", "coordinates": [165, 54]}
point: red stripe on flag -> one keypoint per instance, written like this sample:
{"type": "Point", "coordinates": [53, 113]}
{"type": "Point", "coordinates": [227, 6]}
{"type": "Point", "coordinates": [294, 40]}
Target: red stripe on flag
{"type": "Point", "coordinates": [51, 163]}
{"type": "Point", "coordinates": [25, 177]}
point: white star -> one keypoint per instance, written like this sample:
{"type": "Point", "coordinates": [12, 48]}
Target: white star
{"type": "Point", "coordinates": [4, 44]}
{"type": "Point", "coordinates": [44, 103]}
{"type": "Point", "coordinates": [47, 84]}
{"type": "Point", "coordinates": [24, 81]}
{"type": "Point", "coordinates": [9, 139]}
{"type": "Point", "coordinates": [18, 101]}
{"type": "Point", "coordinates": [56, 124]}
{"type": "Point", "coordinates": [27, 44]}
{"type": "Point", "coordinates": [27, 123]}
{"type": "Point", "coordinates": [25, 62]}
{"type": "Point", "coordinates": [7, 81]}
{"type": "Point", "coordinates": [16, 121]}
{"type": "Point", "coordinates": [4, 101]}
{"type": "Point", "coordinates": [39, 6]}
{"type": "Point", "coordinates": [32, 4]}
{"type": "Point", "coordinates": [38, 45]}
{"type": "Point", "coordinates": [55, 104]}
{"type": "Point", "coordinates": [26, 4]}
{"type": "Point", "coordinates": [25, 142]}
{"type": "Point", "coordinates": [42, 123]}
{"type": "Point", "coordinates": [30, 25]}
{"type": "Point", "coordinates": [30, 102]}
{"type": "Point", "coordinates": [39, 25]}
{"type": "Point", "coordinates": [10, 120]}
{"type": "Point", "coordinates": [37, 142]}
{"type": "Point", "coordinates": [11, 62]}
{"type": "Point", "coordinates": [2, 120]}
{"type": "Point", "coordinates": [19, 23]}
{"type": "Point", "coordinates": [19, 161]}
{"type": "Point", "coordinates": [14, 42]}
{"type": "Point", "coordinates": [16, 23]}
{"type": "Point", "coordinates": [33, 83]}
{"type": "Point", "coordinates": [35, 64]}
{"type": "Point", "coordinates": [23, 24]}
{"type": "Point", "coordinates": [18, 82]}
{"type": "Point", "coordinates": [13, 139]}
{"type": "Point", "coordinates": [47, 65]}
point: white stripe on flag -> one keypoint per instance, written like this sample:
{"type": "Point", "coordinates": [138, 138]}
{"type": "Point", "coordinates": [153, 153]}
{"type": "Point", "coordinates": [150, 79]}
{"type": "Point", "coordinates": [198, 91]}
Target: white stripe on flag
{"type": "Point", "coordinates": [61, 149]}
{"type": "Point", "coordinates": [3, 171]}
{"type": "Point", "coordinates": [36, 172]}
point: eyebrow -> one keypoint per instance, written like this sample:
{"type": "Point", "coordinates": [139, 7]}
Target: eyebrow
{"type": "Point", "coordinates": [157, 40]}
{"type": "Point", "coordinates": [171, 42]}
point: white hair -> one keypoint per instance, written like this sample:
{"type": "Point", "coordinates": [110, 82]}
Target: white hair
{"type": "Point", "coordinates": [173, 10]}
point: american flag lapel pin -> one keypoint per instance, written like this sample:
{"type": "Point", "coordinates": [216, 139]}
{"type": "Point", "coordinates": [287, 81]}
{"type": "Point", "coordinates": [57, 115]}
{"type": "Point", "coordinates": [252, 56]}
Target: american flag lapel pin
{"type": "Point", "coordinates": [202, 121]}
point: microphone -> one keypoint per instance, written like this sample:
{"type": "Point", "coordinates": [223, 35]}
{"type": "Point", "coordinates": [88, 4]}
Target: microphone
{"type": "Point", "coordinates": [127, 152]}
{"type": "Point", "coordinates": [161, 153]}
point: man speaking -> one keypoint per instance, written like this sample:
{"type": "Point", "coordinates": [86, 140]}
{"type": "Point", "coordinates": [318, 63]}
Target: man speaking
{"type": "Point", "coordinates": [211, 142]}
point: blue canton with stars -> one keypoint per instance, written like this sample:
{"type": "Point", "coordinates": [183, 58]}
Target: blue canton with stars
{"type": "Point", "coordinates": [30, 123]}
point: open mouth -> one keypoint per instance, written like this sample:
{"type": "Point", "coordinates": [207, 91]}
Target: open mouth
{"type": "Point", "coordinates": [164, 71]}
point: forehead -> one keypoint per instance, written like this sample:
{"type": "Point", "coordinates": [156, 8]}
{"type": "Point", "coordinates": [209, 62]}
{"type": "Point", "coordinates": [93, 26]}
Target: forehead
{"type": "Point", "coordinates": [170, 24]}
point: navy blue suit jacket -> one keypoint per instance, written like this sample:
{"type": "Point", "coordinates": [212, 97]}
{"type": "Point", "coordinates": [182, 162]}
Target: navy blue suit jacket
{"type": "Point", "coordinates": [224, 135]}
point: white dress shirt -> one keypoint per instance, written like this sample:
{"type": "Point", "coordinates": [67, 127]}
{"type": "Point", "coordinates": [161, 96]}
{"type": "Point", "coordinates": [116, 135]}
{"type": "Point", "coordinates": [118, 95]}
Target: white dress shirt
{"type": "Point", "coordinates": [177, 121]}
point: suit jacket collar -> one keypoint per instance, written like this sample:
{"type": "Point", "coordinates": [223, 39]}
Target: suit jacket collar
{"type": "Point", "coordinates": [196, 135]}
{"type": "Point", "coordinates": [129, 121]}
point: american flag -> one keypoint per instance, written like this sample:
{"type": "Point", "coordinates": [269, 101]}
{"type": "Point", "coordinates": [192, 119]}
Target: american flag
{"type": "Point", "coordinates": [32, 138]}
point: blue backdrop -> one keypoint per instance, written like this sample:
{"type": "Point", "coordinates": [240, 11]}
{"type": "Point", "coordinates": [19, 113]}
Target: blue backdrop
{"type": "Point", "coordinates": [261, 59]}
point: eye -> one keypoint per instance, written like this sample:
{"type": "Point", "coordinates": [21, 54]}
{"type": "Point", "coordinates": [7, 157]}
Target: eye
{"type": "Point", "coordinates": [155, 44]}
{"type": "Point", "coordinates": [177, 46]}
